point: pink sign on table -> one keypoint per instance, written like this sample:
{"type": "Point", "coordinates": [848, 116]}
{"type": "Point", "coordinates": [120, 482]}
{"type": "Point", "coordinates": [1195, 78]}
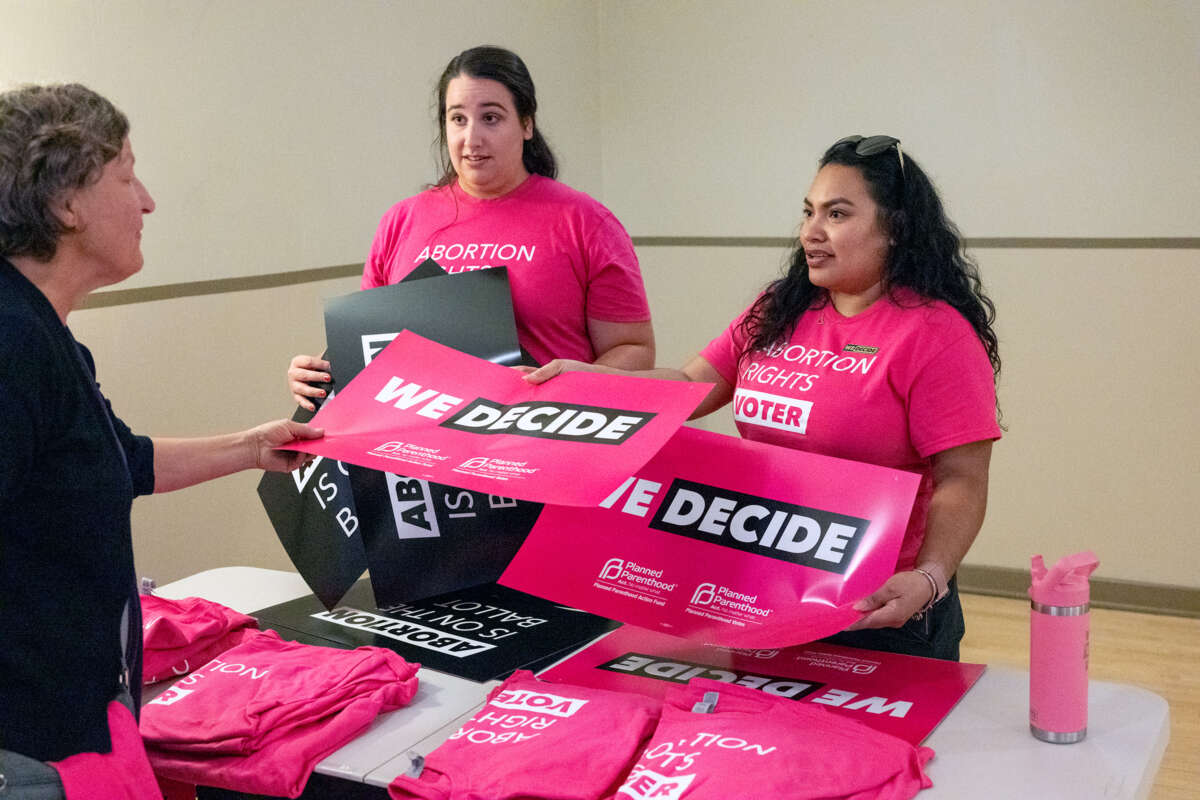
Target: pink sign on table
{"type": "Point", "coordinates": [423, 410]}
{"type": "Point", "coordinates": [727, 541]}
{"type": "Point", "coordinates": [905, 696]}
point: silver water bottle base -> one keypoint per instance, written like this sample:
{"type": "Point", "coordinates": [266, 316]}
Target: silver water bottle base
{"type": "Point", "coordinates": [1057, 738]}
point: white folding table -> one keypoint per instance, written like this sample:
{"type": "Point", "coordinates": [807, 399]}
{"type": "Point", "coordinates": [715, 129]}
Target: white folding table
{"type": "Point", "coordinates": [984, 748]}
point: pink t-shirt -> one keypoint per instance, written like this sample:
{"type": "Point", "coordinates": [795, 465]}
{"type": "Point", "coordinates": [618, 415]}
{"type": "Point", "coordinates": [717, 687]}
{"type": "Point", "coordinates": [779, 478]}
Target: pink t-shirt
{"type": "Point", "coordinates": [179, 636]}
{"type": "Point", "coordinates": [754, 745]}
{"type": "Point", "coordinates": [123, 773]}
{"type": "Point", "coordinates": [893, 385]}
{"type": "Point", "coordinates": [568, 257]}
{"type": "Point", "coordinates": [533, 739]}
{"type": "Point", "coordinates": [259, 717]}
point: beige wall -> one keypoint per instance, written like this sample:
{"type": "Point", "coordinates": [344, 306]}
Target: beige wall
{"type": "Point", "coordinates": [1102, 449]}
{"type": "Point", "coordinates": [1035, 118]}
{"type": "Point", "coordinates": [274, 134]}
{"type": "Point", "coordinates": [196, 366]}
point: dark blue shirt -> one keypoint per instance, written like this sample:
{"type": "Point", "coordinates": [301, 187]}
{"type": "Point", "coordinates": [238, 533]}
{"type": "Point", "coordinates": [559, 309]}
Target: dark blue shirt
{"type": "Point", "coordinates": [69, 470]}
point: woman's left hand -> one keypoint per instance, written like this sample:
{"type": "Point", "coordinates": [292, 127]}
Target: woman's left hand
{"type": "Point", "coordinates": [269, 436]}
{"type": "Point", "coordinates": [904, 594]}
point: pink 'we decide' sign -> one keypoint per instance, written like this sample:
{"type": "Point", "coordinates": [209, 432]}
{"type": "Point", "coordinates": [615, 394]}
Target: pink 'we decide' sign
{"type": "Point", "coordinates": [426, 411]}
{"type": "Point", "coordinates": [727, 541]}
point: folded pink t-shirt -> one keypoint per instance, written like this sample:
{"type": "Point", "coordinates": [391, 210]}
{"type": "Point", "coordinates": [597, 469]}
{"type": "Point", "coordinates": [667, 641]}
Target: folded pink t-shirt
{"type": "Point", "coordinates": [259, 717]}
{"type": "Point", "coordinates": [535, 739]}
{"type": "Point", "coordinates": [180, 635]}
{"type": "Point", "coordinates": [751, 745]}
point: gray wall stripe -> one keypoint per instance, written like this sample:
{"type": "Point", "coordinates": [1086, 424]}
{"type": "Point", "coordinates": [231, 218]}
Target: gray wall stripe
{"type": "Point", "coordinates": [1150, 598]}
{"type": "Point", "coordinates": [982, 243]}
{"type": "Point", "coordinates": [173, 291]}
{"type": "Point", "coordinates": [119, 297]}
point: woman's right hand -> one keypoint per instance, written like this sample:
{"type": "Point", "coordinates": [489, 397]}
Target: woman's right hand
{"type": "Point", "coordinates": [556, 367]}
{"type": "Point", "coordinates": [302, 373]}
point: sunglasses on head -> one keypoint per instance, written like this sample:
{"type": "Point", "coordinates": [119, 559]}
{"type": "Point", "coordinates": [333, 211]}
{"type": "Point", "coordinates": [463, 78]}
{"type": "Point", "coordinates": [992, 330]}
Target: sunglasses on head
{"type": "Point", "coordinates": [873, 145]}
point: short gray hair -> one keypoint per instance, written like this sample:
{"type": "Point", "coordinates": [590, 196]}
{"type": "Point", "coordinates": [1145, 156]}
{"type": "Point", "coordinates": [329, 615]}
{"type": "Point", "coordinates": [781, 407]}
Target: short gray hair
{"type": "Point", "coordinates": [52, 139]}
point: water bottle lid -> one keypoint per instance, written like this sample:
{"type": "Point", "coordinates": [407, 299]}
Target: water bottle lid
{"type": "Point", "coordinates": [1065, 583]}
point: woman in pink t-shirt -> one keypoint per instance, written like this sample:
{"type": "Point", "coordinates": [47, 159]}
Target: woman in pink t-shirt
{"type": "Point", "coordinates": [877, 346]}
{"type": "Point", "coordinates": [576, 286]}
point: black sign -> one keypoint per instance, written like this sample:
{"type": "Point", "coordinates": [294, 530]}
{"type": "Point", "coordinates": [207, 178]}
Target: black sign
{"type": "Point", "coordinates": [313, 513]}
{"type": "Point", "coordinates": [335, 520]}
{"type": "Point", "coordinates": [424, 538]}
{"type": "Point", "coordinates": [470, 312]}
{"type": "Point", "coordinates": [482, 633]}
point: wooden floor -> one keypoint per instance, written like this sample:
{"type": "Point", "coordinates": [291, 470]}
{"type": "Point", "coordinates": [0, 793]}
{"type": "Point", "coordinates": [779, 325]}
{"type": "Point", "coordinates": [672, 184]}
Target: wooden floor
{"type": "Point", "coordinates": [1159, 653]}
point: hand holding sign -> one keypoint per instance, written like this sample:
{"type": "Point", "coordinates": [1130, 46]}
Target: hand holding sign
{"type": "Point", "coordinates": [727, 541]}
{"type": "Point", "coordinates": [426, 411]}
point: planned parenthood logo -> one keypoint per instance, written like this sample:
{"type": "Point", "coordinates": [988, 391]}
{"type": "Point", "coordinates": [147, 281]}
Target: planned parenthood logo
{"type": "Point", "coordinates": [704, 595]}
{"type": "Point", "coordinates": [612, 569]}
{"type": "Point", "coordinates": [728, 604]}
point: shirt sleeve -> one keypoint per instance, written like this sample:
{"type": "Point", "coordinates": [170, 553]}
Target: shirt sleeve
{"type": "Point", "coordinates": [615, 291]}
{"type": "Point", "coordinates": [139, 453]}
{"type": "Point", "coordinates": [952, 400]}
{"type": "Point", "coordinates": [723, 351]}
{"type": "Point", "coordinates": [374, 270]}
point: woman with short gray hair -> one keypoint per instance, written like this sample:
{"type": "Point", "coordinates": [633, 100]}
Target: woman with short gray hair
{"type": "Point", "coordinates": [71, 214]}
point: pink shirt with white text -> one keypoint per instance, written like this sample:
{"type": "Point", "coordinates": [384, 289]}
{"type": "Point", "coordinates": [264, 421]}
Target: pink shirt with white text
{"type": "Point", "coordinates": [893, 385]}
{"type": "Point", "coordinates": [568, 258]}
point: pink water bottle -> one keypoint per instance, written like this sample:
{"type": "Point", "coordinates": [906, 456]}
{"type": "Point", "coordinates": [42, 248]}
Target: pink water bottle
{"type": "Point", "coordinates": [1058, 648]}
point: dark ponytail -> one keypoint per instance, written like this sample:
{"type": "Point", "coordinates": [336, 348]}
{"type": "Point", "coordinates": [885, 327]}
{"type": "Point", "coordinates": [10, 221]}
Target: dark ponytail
{"type": "Point", "coordinates": [506, 67]}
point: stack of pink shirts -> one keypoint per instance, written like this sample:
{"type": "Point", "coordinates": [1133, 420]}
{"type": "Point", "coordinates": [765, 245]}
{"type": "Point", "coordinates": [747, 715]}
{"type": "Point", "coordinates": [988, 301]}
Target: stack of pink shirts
{"type": "Point", "coordinates": [537, 740]}
{"type": "Point", "coordinates": [716, 741]}
{"type": "Point", "coordinates": [708, 741]}
{"type": "Point", "coordinates": [259, 717]}
{"type": "Point", "coordinates": [180, 635]}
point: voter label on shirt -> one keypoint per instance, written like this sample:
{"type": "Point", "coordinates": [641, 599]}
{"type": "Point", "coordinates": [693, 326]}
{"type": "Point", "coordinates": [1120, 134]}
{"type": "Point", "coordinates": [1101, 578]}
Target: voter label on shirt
{"type": "Point", "coordinates": [771, 411]}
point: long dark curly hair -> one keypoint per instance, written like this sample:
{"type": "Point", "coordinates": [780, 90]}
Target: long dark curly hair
{"type": "Point", "coordinates": [926, 255]}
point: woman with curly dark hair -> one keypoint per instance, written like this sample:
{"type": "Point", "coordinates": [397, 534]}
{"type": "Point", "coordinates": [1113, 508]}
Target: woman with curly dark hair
{"type": "Point", "coordinates": [876, 346]}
